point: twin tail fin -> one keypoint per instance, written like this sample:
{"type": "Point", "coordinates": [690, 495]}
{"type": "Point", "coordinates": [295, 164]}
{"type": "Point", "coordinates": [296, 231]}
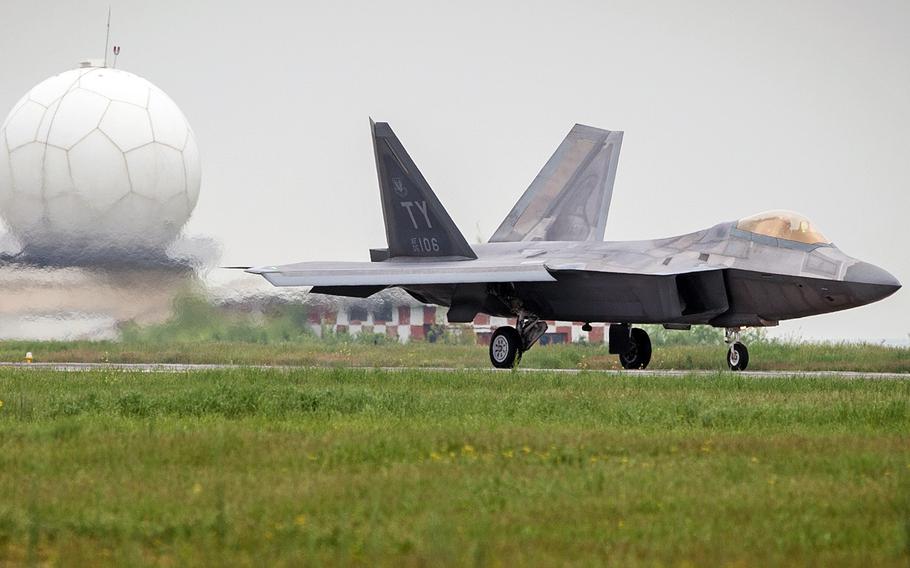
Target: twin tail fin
{"type": "Point", "coordinates": [416, 224]}
{"type": "Point", "coordinates": [570, 198]}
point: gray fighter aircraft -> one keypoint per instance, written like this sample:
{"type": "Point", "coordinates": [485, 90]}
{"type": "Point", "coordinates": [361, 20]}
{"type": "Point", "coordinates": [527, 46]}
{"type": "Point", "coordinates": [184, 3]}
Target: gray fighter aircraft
{"type": "Point", "coordinates": [548, 260]}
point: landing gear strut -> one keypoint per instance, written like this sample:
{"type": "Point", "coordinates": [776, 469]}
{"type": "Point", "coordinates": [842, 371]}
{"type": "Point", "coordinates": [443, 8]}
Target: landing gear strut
{"type": "Point", "coordinates": [737, 353]}
{"type": "Point", "coordinates": [508, 343]}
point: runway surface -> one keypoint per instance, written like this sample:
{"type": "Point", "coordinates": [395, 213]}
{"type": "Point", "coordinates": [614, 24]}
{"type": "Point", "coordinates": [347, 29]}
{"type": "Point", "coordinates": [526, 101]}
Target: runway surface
{"type": "Point", "coordinates": [187, 368]}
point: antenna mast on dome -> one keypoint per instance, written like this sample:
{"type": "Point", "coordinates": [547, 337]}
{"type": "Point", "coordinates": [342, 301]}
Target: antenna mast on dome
{"type": "Point", "coordinates": [107, 38]}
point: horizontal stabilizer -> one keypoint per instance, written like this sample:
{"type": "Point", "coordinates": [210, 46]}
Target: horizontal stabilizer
{"type": "Point", "coordinates": [391, 273]}
{"type": "Point", "coordinates": [348, 291]}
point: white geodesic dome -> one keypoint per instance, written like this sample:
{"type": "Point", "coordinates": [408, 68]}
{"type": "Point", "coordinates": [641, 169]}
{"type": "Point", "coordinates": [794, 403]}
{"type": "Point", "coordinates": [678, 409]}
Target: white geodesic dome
{"type": "Point", "coordinates": [96, 161]}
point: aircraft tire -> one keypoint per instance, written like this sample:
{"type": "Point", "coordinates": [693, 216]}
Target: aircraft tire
{"type": "Point", "coordinates": [505, 347]}
{"type": "Point", "coordinates": [639, 354]}
{"type": "Point", "coordinates": [737, 357]}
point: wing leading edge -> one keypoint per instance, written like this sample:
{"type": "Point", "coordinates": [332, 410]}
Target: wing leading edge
{"type": "Point", "coordinates": [392, 273]}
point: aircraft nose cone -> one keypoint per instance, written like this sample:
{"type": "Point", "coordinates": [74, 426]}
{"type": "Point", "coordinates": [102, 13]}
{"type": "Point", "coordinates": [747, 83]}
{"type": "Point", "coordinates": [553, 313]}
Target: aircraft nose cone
{"type": "Point", "coordinates": [865, 273]}
{"type": "Point", "coordinates": [876, 282]}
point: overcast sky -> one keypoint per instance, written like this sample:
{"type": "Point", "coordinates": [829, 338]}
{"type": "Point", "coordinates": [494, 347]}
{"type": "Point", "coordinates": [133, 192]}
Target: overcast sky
{"type": "Point", "coordinates": [729, 108]}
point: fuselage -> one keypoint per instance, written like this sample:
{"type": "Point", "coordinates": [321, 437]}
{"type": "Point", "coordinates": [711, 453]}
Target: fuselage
{"type": "Point", "coordinates": [722, 276]}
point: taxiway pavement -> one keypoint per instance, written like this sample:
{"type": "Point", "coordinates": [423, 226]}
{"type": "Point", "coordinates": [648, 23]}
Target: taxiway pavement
{"type": "Point", "coordinates": [193, 367]}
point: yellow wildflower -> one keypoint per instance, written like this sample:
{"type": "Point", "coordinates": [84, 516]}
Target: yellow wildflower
{"type": "Point", "coordinates": [300, 520]}
{"type": "Point", "coordinates": [197, 489]}
{"type": "Point", "coordinates": [508, 454]}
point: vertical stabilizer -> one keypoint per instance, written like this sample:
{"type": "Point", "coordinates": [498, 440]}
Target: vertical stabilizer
{"type": "Point", "coordinates": [570, 198]}
{"type": "Point", "coordinates": [416, 224]}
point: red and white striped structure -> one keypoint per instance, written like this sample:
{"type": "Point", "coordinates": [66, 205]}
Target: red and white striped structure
{"type": "Point", "coordinates": [412, 321]}
{"type": "Point", "coordinates": [558, 331]}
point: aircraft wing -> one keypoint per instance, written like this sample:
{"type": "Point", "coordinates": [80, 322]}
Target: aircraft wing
{"type": "Point", "coordinates": [391, 273]}
{"type": "Point", "coordinates": [633, 263]}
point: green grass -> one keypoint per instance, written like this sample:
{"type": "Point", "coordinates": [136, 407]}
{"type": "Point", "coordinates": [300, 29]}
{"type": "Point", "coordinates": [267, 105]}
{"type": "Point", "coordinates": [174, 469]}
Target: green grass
{"type": "Point", "coordinates": [346, 466]}
{"type": "Point", "coordinates": [764, 355]}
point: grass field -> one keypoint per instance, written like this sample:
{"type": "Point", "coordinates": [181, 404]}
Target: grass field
{"type": "Point", "coordinates": [346, 466]}
{"type": "Point", "coordinates": [764, 355]}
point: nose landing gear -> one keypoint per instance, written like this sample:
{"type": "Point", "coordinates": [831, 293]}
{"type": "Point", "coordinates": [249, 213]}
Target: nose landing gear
{"type": "Point", "coordinates": [737, 353]}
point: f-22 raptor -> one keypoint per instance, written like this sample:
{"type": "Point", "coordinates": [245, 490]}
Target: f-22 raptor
{"type": "Point", "coordinates": [548, 261]}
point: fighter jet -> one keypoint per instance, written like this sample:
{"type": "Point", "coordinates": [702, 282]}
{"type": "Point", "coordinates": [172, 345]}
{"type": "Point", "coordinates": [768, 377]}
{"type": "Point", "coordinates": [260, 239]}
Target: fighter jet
{"type": "Point", "coordinates": [548, 261]}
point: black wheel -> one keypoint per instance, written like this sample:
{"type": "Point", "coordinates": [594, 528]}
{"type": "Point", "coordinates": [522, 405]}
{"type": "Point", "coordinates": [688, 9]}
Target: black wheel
{"type": "Point", "coordinates": [639, 354]}
{"type": "Point", "coordinates": [737, 357]}
{"type": "Point", "coordinates": [505, 347]}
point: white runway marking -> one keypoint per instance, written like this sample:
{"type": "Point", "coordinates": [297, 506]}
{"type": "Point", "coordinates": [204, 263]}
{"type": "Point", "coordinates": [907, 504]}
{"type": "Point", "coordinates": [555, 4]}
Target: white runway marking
{"type": "Point", "coordinates": [188, 367]}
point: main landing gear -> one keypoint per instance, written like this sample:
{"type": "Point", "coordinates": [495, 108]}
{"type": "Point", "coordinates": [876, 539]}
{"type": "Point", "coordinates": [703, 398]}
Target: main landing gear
{"type": "Point", "coordinates": [632, 344]}
{"type": "Point", "coordinates": [508, 343]}
{"type": "Point", "coordinates": [737, 353]}
{"type": "Point", "coordinates": [638, 353]}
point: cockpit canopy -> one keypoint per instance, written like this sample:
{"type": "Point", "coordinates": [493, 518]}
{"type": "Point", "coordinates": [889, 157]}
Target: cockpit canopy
{"type": "Point", "coordinates": [785, 225]}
